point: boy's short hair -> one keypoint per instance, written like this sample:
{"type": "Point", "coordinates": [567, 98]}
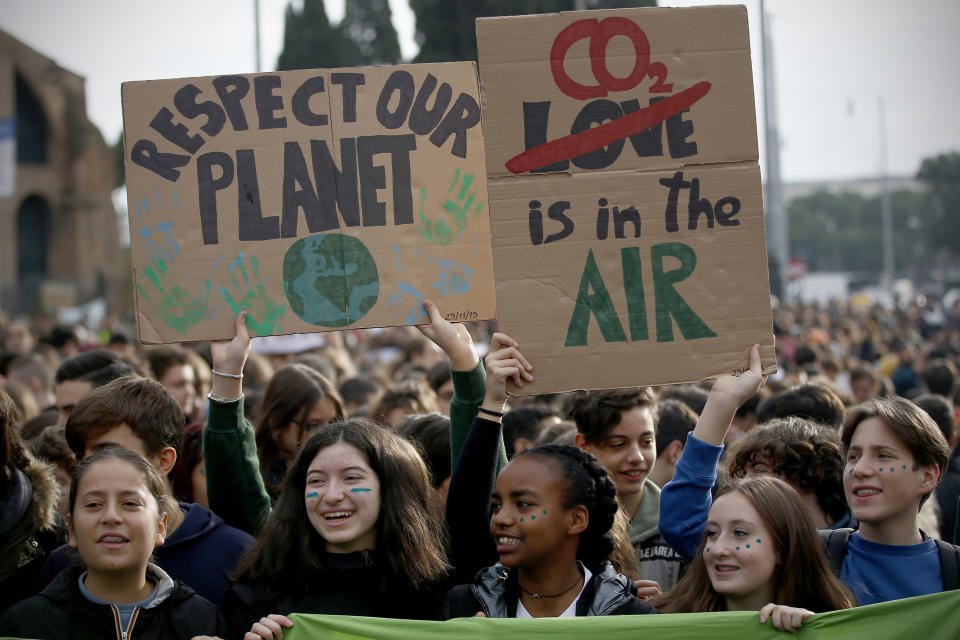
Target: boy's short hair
{"type": "Point", "coordinates": [675, 420]}
{"type": "Point", "coordinates": [940, 377]}
{"type": "Point", "coordinates": [162, 357]}
{"type": "Point", "coordinates": [803, 453]}
{"type": "Point", "coordinates": [862, 373]}
{"type": "Point", "coordinates": [690, 395]}
{"type": "Point", "coordinates": [597, 412]}
{"type": "Point", "coordinates": [909, 424]}
{"type": "Point", "coordinates": [360, 391]}
{"type": "Point", "coordinates": [940, 409]}
{"type": "Point", "coordinates": [524, 422]}
{"type": "Point", "coordinates": [144, 405]}
{"type": "Point", "coordinates": [815, 402]}
{"type": "Point", "coordinates": [80, 365]}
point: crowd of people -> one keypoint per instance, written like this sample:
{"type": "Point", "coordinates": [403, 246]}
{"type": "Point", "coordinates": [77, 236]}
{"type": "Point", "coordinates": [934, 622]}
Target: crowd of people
{"type": "Point", "coordinates": [213, 489]}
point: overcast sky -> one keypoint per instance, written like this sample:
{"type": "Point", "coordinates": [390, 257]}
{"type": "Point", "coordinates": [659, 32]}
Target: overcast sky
{"type": "Point", "coordinates": [834, 60]}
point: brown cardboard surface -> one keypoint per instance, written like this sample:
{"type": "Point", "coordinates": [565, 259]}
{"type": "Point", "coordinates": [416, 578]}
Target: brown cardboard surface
{"type": "Point", "coordinates": [368, 259]}
{"type": "Point", "coordinates": [561, 266]}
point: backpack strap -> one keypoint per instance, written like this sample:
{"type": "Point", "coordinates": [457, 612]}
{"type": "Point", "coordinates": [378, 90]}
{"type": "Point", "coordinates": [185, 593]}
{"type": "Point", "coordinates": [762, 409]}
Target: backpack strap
{"type": "Point", "coordinates": [949, 564]}
{"type": "Point", "coordinates": [835, 546]}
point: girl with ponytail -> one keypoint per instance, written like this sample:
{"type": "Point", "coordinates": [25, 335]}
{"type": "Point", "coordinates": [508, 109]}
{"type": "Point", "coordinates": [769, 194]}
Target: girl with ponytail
{"type": "Point", "coordinates": [544, 524]}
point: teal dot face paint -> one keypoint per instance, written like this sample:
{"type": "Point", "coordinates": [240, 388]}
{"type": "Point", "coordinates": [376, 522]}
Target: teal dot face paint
{"type": "Point", "coordinates": [544, 512]}
{"type": "Point", "coordinates": [851, 471]}
{"type": "Point", "coordinates": [358, 489]}
{"type": "Point", "coordinates": [521, 519]}
{"type": "Point", "coordinates": [707, 549]}
{"type": "Point", "coordinates": [881, 469]}
{"type": "Point", "coordinates": [891, 469]}
{"type": "Point", "coordinates": [748, 546]}
{"type": "Point", "coordinates": [904, 467]}
{"type": "Point", "coordinates": [313, 494]}
{"type": "Point", "coordinates": [758, 540]}
{"type": "Point", "coordinates": [533, 517]}
{"type": "Point", "coordinates": [738, 548]}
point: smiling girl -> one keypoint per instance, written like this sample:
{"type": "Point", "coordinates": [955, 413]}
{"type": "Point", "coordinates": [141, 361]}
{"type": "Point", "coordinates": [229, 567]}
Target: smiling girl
{"type": "Point", "coordinates": [118, 514]}
{"type": "Point", "coordinates": [351, 534]}
{"type": "Point", "coordinates": [549, 524]}
{"type": "Point", "coordinates": [759, 548]}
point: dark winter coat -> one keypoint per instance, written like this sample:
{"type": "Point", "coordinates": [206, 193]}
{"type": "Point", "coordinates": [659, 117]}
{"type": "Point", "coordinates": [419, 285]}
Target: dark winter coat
{"type": "Point", "coordinates": [349, 584]}
{"type": "Point", "coordinates": [495, 592]}
{"type": "Point", "coordinates": [62, 611]}
{"type": "Point", "coordinates": [30, 528]}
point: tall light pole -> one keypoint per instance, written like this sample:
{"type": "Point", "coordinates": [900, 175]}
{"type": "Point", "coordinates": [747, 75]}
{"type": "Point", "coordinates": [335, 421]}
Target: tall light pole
{"type": "Point", "coordinates": [885, 199]}
{"type": "Point", "coordinates": [256, 35]}
{"type": "Point", "coordinates": [778, 230]}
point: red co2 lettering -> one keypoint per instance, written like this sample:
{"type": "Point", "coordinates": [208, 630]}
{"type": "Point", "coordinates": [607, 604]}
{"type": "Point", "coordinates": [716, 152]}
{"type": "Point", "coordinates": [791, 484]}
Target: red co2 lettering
{"type": "Point", "coordinates": [600, 32]}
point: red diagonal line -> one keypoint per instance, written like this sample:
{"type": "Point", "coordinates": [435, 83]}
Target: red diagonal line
{"type": "Point", "coordinates": [580, 143]}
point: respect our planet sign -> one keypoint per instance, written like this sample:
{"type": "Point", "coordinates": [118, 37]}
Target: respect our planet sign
{"type": "Point", "coordinates": [315, 200]}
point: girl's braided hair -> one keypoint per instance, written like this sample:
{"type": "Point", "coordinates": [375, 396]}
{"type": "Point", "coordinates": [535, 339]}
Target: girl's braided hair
{"type": "Point", "coordinates": [588, 485]}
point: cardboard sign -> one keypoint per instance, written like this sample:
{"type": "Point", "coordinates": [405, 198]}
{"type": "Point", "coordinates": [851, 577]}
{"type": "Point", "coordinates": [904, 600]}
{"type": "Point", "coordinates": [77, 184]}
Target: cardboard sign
{"type": "Point", "coordinates": [625, 194]}
{"type": "Point", "coordinates": [316, 200]}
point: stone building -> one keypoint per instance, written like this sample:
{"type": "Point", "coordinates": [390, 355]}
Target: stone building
{"type": "Point", "coordinates": [58, 232]}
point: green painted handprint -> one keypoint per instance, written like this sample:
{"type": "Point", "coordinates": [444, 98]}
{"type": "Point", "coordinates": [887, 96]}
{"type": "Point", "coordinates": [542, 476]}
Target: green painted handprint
{"type": "Point", "coordinates": [175, 306]}
{"type": "Point", "coordinates": [263, 313]}
{"type": "Point", "coordinates": [459, 206]}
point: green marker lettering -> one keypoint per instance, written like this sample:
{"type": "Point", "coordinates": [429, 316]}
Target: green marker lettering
{"type": "Point", "coordinates": [668, 302]}
{"type": "Point", "coordinates": [599, 304]}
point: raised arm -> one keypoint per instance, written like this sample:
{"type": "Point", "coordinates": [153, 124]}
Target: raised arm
{"type": "Point", "coordinates": [234, 485]}
{"type": "Point", "coordinates": [685, 501]}
{"type": "Point", "coordinates": [467, 374]}
{"type": "Point", "coordinates": [474, 475]}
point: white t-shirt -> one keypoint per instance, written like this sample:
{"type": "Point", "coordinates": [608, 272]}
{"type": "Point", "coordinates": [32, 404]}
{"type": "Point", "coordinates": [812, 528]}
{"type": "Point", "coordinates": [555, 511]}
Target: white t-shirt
{"type": "Point", "coordinates": [569, 612]}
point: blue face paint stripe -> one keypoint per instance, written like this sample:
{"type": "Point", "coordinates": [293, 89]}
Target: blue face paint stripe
{"type": "Point", "coordinates": [313, 494]}
{"type": "Point", "coordinates": [358, 489]}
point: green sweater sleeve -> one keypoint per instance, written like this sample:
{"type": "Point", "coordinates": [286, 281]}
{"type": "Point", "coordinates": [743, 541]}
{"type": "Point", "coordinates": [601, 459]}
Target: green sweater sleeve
{"type": "Point", "coordinates": [469, 388]}
{"type": "Point", "coordinates": [235, 488]}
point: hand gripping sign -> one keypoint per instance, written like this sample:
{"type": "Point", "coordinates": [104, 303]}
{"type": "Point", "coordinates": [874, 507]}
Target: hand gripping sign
{"type": "Point", "coordinates": [625, 194]}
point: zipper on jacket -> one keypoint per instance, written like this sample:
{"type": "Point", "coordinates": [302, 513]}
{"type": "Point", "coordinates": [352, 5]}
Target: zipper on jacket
{"type": "Point", "coordinates": [123, 634]}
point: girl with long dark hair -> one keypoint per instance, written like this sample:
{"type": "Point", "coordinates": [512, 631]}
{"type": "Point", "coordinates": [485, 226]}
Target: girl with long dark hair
{"type": "Point", "coordinates": [350, 534]}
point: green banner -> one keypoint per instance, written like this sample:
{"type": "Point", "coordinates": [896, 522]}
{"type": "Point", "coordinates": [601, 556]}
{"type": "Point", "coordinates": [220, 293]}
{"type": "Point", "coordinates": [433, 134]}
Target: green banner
{"type": "Point", "coordinates": [933, 617]}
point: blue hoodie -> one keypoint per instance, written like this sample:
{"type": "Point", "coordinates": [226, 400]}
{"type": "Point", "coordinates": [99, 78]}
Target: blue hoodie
{"type": "Point", "coordinates": [201, 552]}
